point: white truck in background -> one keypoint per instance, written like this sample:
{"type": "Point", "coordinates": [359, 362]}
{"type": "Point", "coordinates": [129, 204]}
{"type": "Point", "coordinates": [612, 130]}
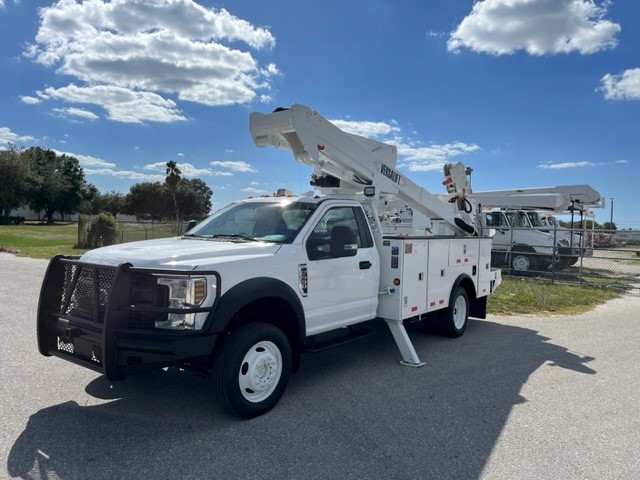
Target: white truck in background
{"type": "Point", "coordinates": [244, 293]}
{"type": "Point", "coordinates": [524, 240]}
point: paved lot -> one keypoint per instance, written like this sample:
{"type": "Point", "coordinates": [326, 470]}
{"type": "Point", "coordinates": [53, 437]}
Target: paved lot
{"type": "Point", "coordinates": [516, 397]}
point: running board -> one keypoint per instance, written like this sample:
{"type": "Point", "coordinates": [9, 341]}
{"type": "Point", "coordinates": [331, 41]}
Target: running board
{"type": "Point", "coordinates": [408, 352]}
{"type": "Point", "coordinates": [334, 338]}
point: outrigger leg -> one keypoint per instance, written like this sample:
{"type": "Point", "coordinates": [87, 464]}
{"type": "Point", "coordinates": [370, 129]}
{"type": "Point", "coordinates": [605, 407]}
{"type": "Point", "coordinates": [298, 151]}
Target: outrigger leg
{"type": "Point", "coordinates": [409, 355]}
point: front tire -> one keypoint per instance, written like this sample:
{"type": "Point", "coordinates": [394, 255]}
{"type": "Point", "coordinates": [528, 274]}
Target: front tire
{"type": "Point", "coordinates": [251, 369]}
{"type": "Point", "coordinates": [523, 262]}
{"type": "Point", "coordinates": [453, 320]}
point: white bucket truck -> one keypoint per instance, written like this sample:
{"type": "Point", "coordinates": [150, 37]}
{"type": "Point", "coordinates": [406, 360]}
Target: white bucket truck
{"type": "Point", "coordinates": [250, 288]}
{"type": "Point", "coordinates": [522, 240]}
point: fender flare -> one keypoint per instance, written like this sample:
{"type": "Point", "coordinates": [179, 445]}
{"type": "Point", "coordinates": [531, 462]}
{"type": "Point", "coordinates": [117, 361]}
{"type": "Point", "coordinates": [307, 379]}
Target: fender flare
{"type": "Point", "coordinates": [254, 289]}
{"type": "Point", "coordinates": [477, 306]}
{"type": "Point", "coordinates": [456, 284]}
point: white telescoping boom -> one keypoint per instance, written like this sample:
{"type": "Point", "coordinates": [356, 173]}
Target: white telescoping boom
{"type": "Point", "coordinates": [345, 163]}
{"type": "Point", "coordinates": [558, 198]}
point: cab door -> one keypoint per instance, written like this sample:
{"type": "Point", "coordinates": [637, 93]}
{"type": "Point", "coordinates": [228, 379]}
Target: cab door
{"type": "Point", "coordinates": [342, 271]}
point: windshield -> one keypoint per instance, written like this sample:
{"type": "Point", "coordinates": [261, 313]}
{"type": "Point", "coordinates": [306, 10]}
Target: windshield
{"type": "Point", "coordinates": [265, 221]}
{"type": "Point", "coordinates": [518, 219]}
{"type": "Point", "coordinates": [535, 219]}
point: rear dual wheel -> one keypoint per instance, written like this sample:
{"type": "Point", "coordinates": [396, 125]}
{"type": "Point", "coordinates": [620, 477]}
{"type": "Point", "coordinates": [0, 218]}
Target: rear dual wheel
{"type": "Point", "coordinates": [452, 321]}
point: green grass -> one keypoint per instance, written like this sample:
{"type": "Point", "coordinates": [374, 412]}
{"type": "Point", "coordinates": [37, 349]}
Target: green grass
{"type": "Point", "coordinates": [517, 296]}
{"type": "Point", "coordinates": [40, 240]}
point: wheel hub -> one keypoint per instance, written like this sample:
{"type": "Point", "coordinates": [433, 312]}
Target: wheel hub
{"type": "Point", "coordinates": [521, 263]}
{"type": "Point", "coordinates": [260, 371]}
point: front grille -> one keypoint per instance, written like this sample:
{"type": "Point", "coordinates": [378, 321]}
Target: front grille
{"type": "Point", "coordinates": [145, 292]}
{"type": "Point", "coordinates": [85, 291]}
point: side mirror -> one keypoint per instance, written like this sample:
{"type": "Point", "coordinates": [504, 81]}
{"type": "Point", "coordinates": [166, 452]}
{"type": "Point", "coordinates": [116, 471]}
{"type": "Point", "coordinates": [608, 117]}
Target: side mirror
{"type": "Point", "coordinates": [191, 224]}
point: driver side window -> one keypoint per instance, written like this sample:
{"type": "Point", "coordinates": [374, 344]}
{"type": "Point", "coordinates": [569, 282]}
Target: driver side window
{"type": "Point", "coordinates": [337, 226]}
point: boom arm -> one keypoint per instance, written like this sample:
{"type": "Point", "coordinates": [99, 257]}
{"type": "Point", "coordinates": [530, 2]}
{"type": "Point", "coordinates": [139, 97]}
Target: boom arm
{"type": "Point", "coordinates": [558, 198]}
{"type": "Point", "coordinates": [345, 163]}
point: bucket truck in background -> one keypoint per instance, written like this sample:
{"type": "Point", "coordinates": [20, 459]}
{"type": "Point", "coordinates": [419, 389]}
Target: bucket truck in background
{"type": "Point", "coordinates": [523, 240]}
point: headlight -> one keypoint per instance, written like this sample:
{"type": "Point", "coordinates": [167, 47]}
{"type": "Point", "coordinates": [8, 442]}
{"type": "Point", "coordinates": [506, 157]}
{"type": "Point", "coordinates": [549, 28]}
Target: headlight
{"type": "Point", "coordinates": [183, 293]}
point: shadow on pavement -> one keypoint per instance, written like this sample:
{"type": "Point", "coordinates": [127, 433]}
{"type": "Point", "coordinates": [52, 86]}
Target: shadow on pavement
{"type": "Point", "coordinates": [352, 412]}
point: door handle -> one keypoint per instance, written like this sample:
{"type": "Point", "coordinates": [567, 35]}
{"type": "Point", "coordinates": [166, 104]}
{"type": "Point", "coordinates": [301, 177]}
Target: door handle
{"type": "Point", "coordinates": [366, 264]}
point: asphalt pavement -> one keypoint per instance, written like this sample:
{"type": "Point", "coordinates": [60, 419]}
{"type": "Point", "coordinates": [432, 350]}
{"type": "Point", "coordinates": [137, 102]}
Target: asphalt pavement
{"type": "Point", "coordinates": [522, 397]}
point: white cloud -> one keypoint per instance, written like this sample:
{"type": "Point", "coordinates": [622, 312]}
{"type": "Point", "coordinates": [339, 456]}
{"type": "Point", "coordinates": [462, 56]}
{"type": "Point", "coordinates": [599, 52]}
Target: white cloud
{"type": "Point", "coordinates": [537, 26]}
{"type": "Point", "coordinates": [97, 166]}
{"type": "Point", "coordinates": [237, 166]}
{"type": "Point", "coordinates": [367, 129]}
{"type": "Point", "coordinates": [125, 174]}
{"type": "Point", "coordinates": [29, 100]}
{"type": "Point", "coordinates": [625, 86]}
{"type": "Point", "coordinates": [121, 104]}
{"type": "Point", "coordinates": [558, 166]}
{"type": "Point", "coordinates": [153, 47]}
{"type": "Point", "coordinates": [188, 170]}
{"type": "Point", "coordinates": [580, 164]}
{"type": "Point", "coordinates": [87, 160]}
{"type": "Point", "coordinates": [7, 136]}
{"type": "Point", "coordinates": [432, 157]}
{"type": "Point", "coordinates": [76, 112]}
{"type": "Point", "coordinates": [254, 191]}
{"type": "Point", "coordinates": [411, 155]}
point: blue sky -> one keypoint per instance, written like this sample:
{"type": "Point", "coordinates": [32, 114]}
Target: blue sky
{"type": "Point", "coordinates": [526, 92]}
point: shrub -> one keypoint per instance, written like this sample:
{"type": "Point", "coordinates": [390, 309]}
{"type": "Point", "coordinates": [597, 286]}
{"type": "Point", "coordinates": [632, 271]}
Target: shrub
{"type": "Point", "coordinates": [103, 231]}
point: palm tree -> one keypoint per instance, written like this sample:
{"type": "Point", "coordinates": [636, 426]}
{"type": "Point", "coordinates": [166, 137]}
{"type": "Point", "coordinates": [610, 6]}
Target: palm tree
{"type": "Point", "coordinates": [172, 179]}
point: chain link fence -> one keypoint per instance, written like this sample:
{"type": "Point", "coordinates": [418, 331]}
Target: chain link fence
{"type": "Point", "coordinates": [95, 234]}
{"type": "Point", "coordinates": [593, 257]}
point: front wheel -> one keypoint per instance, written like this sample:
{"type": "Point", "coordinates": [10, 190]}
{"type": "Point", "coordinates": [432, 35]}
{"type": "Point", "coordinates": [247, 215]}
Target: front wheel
{"type": "Point", "coordinates": [251, 369]}
{"type": "Point", "coordinates": [453, 321]}
{"type": "Point", "coordinates": [522, 262]}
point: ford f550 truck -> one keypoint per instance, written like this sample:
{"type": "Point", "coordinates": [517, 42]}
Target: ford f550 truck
{"type": "Point", "coordinates": [250, 288]}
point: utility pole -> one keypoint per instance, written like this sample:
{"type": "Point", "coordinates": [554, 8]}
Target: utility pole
{"type": "Point", "coordinates": [611, 220]}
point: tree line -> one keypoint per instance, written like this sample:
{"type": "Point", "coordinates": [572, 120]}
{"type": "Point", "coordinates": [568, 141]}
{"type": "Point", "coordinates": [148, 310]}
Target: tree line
{"type": "Point", "coordinates": [53, 183]}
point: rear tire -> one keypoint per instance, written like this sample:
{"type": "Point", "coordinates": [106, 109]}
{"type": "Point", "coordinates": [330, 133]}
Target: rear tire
{"type": "Point", "coordinates": [453, 320]}
{"type": "Point", "coordinates": [251, 369]}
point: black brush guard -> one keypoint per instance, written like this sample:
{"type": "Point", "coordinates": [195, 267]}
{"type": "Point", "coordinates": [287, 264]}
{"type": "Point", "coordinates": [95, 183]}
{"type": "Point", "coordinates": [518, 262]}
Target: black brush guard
{"type": "Point", "coordinates": [103, 318]}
